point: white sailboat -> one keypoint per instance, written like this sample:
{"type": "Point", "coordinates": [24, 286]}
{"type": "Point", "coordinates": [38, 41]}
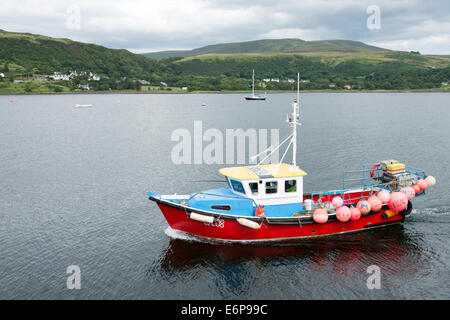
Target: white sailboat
{"type": "Point", "coordinates": [256, 96]}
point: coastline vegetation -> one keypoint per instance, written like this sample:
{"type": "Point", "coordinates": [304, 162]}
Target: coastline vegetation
{"type": "Point", "coordinates": [27, 63]}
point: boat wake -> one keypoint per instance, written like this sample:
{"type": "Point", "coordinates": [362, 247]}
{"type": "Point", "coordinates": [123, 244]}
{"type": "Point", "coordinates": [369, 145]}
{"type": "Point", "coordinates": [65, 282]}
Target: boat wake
{"type": "Point", "coordinates": [434, 215]}
{"type": "Point", "coordinates": [432, 211]}
{"type": "Point", "coordinates": [180, 235]}
{"type": "Point", "coordinates": [175, 234]}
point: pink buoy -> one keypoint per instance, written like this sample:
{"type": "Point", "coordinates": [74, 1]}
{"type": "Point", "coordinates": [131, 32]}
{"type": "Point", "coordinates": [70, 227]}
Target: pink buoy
{"type": "Point", "coordinates": [337, 202]}
{"type": "Point", "coordinates": [363, 206]}
{"type": "Point", "coordinates": [422, 184]}
{"type": "Point", "coordinates": [416, 188]}
{"type": "Point", "coordinates": [398, 202]}
{"type": "Point", "coordinates": [375, 203]}
{"type": "Point", "coordinates": [409, 191]}
{"type": "Point", "coordinates": [355, 214]}
{"type": "Point", "coordinates": [343, 214]}
{"type": "Point", "coordinates": [320, 215]}
{"type": "Point", "coordinates": [384, 196]}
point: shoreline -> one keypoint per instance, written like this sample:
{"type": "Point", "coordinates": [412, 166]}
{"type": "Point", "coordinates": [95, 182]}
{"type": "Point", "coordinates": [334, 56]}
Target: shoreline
{"type": "Point", "coordinates": [225, 92]}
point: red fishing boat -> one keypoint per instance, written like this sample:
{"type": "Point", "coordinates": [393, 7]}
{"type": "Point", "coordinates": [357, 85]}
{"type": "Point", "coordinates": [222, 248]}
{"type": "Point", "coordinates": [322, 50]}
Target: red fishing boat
{"type": "Point", "coordinates": [266, 202]}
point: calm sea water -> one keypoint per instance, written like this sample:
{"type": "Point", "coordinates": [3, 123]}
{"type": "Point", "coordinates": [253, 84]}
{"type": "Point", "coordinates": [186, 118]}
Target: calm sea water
{"type": "Point", "coordinates": [73, 192]}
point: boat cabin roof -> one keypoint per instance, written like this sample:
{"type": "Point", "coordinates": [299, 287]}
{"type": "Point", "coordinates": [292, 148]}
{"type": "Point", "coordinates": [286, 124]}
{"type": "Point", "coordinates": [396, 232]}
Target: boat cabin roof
{"type": "Point", "coordinates": [262, 171]}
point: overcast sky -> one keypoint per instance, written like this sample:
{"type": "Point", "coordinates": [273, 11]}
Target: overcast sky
{"type": "Point", "coordinates": [144, 26]}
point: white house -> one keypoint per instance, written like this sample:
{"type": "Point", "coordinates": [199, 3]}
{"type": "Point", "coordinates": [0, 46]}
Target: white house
{"type": "Point", "coordinates": [94, 76]}
{"type": "Point", "coordinates": [59, 76]}
{"type": "Point", "coordinates": [2, 75]}
{"type": "Point", "coordinates": [184, 88]}
{"type": "Point", "coordinates": [290, 80]}
{"type": "Point", "coordinates": [275, 80]}
{"type": "Point", "coordinates": [84, 86]}
{"type": "Point", "coordinates": [163, 84]}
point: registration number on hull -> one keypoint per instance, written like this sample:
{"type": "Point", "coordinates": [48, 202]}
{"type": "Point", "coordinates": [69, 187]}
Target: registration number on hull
{"type": "Point", "coordinates": [218, 224]}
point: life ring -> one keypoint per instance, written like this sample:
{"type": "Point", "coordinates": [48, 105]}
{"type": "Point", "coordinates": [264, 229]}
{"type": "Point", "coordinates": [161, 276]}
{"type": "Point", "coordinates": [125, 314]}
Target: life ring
{"type": "Point", "coordinates": [372, 173]}
{"type": "Point", "coordinates": [259, 211]}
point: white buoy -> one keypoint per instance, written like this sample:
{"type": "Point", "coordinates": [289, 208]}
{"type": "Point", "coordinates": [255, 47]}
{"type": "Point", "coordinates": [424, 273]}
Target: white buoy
{"type": "Point", "coordinates": [201, 218]}
{"type": "Point", "coordinates": [430, 180]}
{"type": "Point", "coordinates": [248, 223]}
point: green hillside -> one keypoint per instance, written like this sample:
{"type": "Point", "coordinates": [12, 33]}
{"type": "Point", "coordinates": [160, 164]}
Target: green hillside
{"type": "Point", "coordinates": [36, 54]}
{"type": "Point", "coordinates": [271, 46]}
{"type": "Point", "coordinates": [375, 70]}
{"type": "Point", "coordinates": [333, 65]}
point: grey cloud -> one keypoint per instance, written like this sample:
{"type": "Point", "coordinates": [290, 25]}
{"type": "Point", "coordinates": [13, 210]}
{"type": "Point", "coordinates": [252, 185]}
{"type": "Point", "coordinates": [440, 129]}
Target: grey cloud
{"type": "Point", "coordinates": [140, 26]}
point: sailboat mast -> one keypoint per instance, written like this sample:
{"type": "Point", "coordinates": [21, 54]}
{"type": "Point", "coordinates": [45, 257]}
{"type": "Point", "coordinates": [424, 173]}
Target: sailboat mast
{"type": "Point", "coordinates": [253, 86]}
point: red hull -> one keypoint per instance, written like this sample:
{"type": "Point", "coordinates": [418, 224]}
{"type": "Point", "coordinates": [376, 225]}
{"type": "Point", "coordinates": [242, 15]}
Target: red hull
{"type": "Point", "coordinates": [231, 230]}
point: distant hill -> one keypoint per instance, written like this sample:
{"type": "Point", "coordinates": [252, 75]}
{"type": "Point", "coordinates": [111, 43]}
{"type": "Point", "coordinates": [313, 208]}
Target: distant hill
{"type": "Point", "coordinates": [25, 52]}
{"type": "Point", "coordinates": [370, 70]}
{"type": "Point", "coordinates": [333, 64]}
{"type": "Point", "coordinates": [271, 46]}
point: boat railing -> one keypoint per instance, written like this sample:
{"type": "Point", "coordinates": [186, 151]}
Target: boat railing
{"type": "Point", "coordinates": [349, 196]}
{"type": "Point", "coordinates": [372, 175]}
{"type": "Point", "coordinates": [359, 184]}
{"type": "Point", "coordinates": [416, 171]}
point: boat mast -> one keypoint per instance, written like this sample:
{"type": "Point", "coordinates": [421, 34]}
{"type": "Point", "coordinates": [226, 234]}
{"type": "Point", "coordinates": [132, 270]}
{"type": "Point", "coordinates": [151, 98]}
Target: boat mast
{"type": "Point", "coordinates": [294, 123]}
{"type": "Point", "coordinates": [253, 86]}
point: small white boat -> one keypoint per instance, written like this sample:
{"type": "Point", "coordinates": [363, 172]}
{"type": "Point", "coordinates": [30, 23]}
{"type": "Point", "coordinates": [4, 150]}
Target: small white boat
{"type": "Point", "coordinates": [78, 106]}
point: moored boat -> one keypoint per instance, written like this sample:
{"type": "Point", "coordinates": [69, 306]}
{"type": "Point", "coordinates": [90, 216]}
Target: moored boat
{"type": "Point", "coordinates": [255, 96]}
{"type": "Point", "coordinates": [266, 202]}
{"type": "Point", "coordinates": [80, 106]}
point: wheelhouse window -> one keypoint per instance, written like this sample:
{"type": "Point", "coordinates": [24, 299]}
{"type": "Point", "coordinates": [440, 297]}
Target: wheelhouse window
{"type": "Point", "coordinates": [221, 207]}
{"type": "Point", "coordinates": [253, 187]}
{"type": "Point", "coordinates": [271, 187]}
{"type": "Point", "coordinates": [237, 186]}
{"type": "Point", "coordinates": [290, 186]}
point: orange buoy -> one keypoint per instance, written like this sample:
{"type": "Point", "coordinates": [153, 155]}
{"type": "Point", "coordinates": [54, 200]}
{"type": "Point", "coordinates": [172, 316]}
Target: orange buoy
{"type": "Point", "coordinates": [364, 207]}
{"type": "Point", "coordinates": [343, 214]}
{"type": "Point", "coordinates": [320, 215]}
{"type": "Point", "coordinates": [384, 196]}
{"type": "Point", "coordinates": [355, 213]}
{"type": "Point", "coordinates": [371, 172]}
{"type": "Point", "coordinates": [422, 184]}
{"type": "Point", "coordinates": [389, 214]}
{"type": "Point", "coordinates": [398, 201]}
{"type": "Point", "coordinates": [416, 188]}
